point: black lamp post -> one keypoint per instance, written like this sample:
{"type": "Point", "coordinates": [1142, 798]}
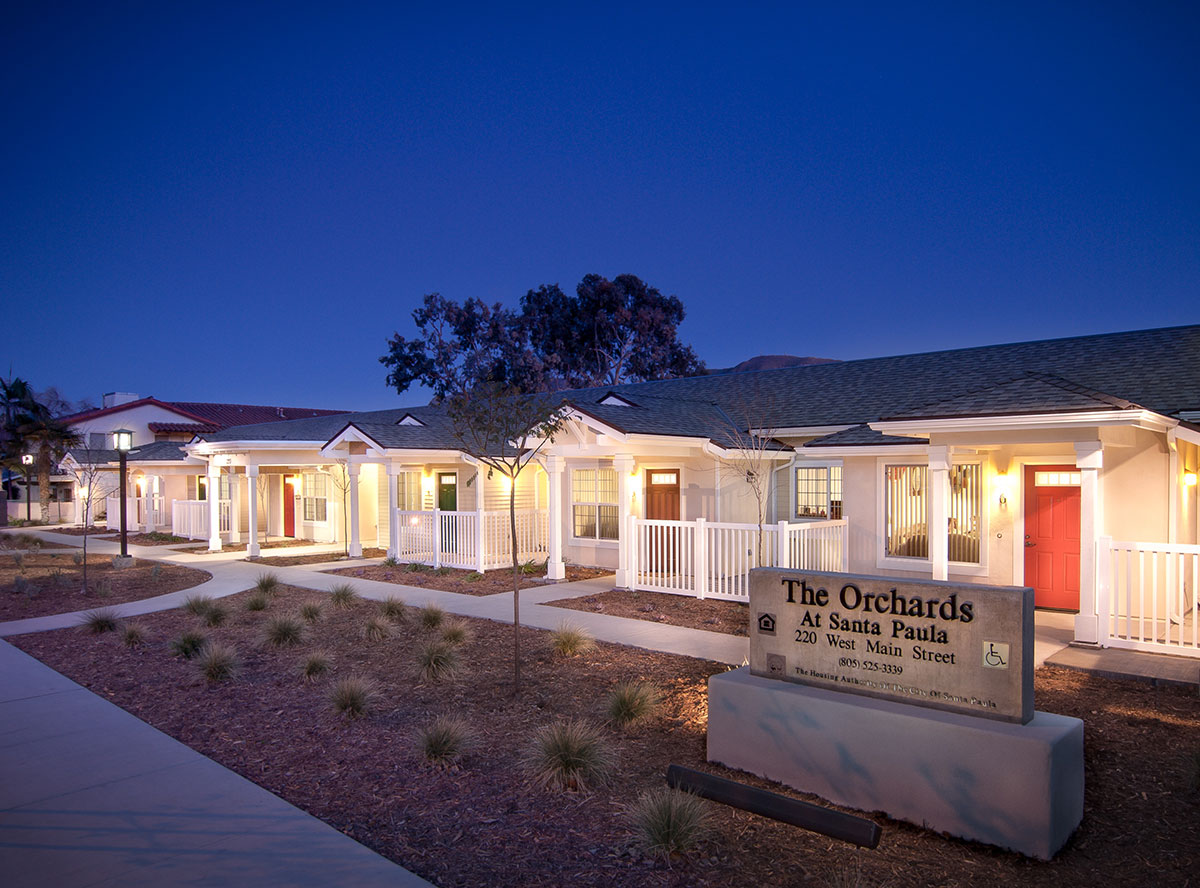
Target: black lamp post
{"type": "Point", "coordinates": [123, 441]}
{"type": "Point", "coordinates": [27, 462]}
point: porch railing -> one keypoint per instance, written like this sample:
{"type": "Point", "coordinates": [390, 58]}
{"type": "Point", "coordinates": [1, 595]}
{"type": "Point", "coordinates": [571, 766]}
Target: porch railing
{"type": "Point", "coordinates": [189, 518]}
{"type": "Point", "coordinates": [469, 540]}
{"type": "Point", "coordinates": [136, 512]}
{"type": "Point", "coordinates": [1149, 596]}
{"type": "Point", "coordinates": [710, 559]}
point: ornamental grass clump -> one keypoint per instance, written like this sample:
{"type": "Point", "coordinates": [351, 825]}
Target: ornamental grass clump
{"type": "Point", "coordinates": [189, 644]}
{"type": "Point", "coordinates": [316, 665]}
{"type": "Point", "coordinates": [214, 616]}
{"type": "Point", "coordinates": [445, 740]}
{"type": "Point", "coordinates": [267, 584]}
{"type": "Point", "coordinates": [197, 605]}
{"type": "Point", "coordinates": [284, 632]}
{"type": "Point", "coordinates": [100, 621]}
{"type": "Point", "coordinates": [217, 662]}
{"type": "Point", "coordinates": [570, 754]}
{"type": "Point", "coordinates": [437, 660]}
{"type": "Point", "coordinates": [393, 609]}
{"type": "Point", "coordinates": [632, 701]}
{"type": "Point", "coordinates": [431, 616]}
{"type": "Point", "coordinates": [343, 595]}
{"type": "Point", "coordinates": [133, 635]}
{"type": "Point", "coordinates": [353, 696]}
{"type": "Point", "coordinates": [24, 586]}
{"type": "Point", "coordinates": [310, 611]}
{"type": "Point", "coordinates": [669, 822]}
{"type": "Point", "coordinates": [570, 641]}
{"type": "Point", "coordinates": [456, 632]}
{"type": "Point", "coordinates": [257, 601]}
{"type": "Point", "coordinates": [377, 629]}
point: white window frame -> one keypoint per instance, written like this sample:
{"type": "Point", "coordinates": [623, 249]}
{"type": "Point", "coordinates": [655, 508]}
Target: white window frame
{"type": "Point", "coordinates": [925, 565]}
{"type": "Point", "coordinates": [412, 484]}
{"type": "Point", "coordinates": [593, 465]}
{"type": "Point", "coordinates": [306, 497]}
{"type": "Point", "coordinates": [794, 492]}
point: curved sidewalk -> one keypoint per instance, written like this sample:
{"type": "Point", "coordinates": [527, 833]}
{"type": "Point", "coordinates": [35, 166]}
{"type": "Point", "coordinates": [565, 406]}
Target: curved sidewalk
{"type": "Point", "coordinates": [92, 796]}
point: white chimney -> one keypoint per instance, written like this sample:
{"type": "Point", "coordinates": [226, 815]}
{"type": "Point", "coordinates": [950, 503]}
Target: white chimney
{"type": "Point", "coordinates": [116, 399]}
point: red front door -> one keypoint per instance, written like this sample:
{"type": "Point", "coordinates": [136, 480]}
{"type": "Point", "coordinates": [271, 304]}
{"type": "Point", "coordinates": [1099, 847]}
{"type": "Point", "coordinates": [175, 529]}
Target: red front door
{"type": "Point", "coordinates": [289, 505]}
{"type": "Point", "coordinates": [1052, 535]}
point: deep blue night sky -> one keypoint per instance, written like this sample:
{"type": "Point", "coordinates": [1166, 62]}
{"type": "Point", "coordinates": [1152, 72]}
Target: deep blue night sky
{"type": "Point", "coordinates": [211, 202]}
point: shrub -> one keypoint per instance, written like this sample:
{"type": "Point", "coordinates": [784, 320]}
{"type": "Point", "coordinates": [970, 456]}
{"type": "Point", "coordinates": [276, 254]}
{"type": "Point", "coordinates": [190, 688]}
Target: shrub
{"type": "Point", "coordinates": [217, 662]}
{"type": "Point", "coordinates": [473, 577]}
{"type": "Point", "coordinates": [257, 601]}
{"type": "Point", "coordinates": [390, 562]}
{"type": "Point", "coordinates": [632, 701]}
{"type": "Point", "coordinates": [441, 571]}
{"type": "Point", "coordinates": [570, 754]}
{"type": "Point", "coordinates": [436, 660]}
{"type": "Point", "coordinates": [393, 609]}
{"type": "Point", "coordinates": [456, 632]}
{"type": "Point", "coordinates": [533, 568]}
{"type": "Point", "coordinates": [284, 632]}
{"type": "Point", "coordinates": [189, 644]}
{"type": "Point", "coordinates": [19, 560]}
{"type": "Point", "coordinates": [316, 665]}
{"type": "Point", "coordinates": [431, 616]}
{"type": "Point", "coordinates": [668, 821]}
{"type": "Point", "coordinates": [77, 558]}
{"type": "Point", "coordinates": [104, 587]}
{"type": "Point", "coordinates": [570, 641]}
{"type": "Point", "coordinates": [310, 611]}
{"type": "Point", "coordinates": [377, 629]}
{"type": "Point", "coordinates": [417, 567]}
{"type": "Point", "coordinates": [353, 696]}
{"type": "Point", "coordinates": [24, 586]}
{"type": "Point", "coordinates": [444, 740]}
{"type": "Point", "coordinates": [156, 572]}
{"type": "Point", "coordinates": [134, 634]}
{"type": "Point", "coordinates": [343, 595]}
{"type": "Point", "coordinates": [99, 621]}
{"type": "Point", "coordinates": [214, 616]}
{"type": "Point", "coordinates": [197, 604]}
{"type": "Point", "coordinates": [267, 584]}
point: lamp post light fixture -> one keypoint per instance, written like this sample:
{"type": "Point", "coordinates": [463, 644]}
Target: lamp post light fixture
{"type": "Point", "coordinates": [123, 442]}
{"type": "Point", "coordinates": [27, 463]}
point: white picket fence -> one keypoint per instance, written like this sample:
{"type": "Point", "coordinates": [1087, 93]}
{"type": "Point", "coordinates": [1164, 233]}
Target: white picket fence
{"type": "Point", "coordinates": [713, 560]}
{"type": "Point", "coordinates": [469, 540]}
{"type": "Point", "coordinates": [1149, 596]}
{"type": "Point", "coordinates": [136, 512]}
{"type": "Point", "coordinates": [189, 518]}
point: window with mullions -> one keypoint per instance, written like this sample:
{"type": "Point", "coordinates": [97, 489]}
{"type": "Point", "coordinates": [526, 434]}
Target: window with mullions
{"type": "Point", "coordinates": [408, 491]}
{"type": "Point", "coordinates": [314, 496]}
{"type": "Point", "coordinates": [906, 515]}
{"type": "Point", "coordinates": [202, 487]}
{"type": "Point", "coordinates": [594, 510]}
{"type": "Point", "coordinates": [819, 492]}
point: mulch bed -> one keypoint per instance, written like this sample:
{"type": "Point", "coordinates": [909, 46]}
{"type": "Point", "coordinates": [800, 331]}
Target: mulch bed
{"type": "Point", "coordinates": [273, 544]}
{"type": "Point", "coordinates": [28, 542]}
{"type": "Point", "coordinates": [75, 530]}
{"type": "Point", "coordinates": [468, 582]}
{"type": "Point", "coordinates": [57, 582]}
{"type": "Point", "coordinates": [730, 617]}
{"type": "Point", "coordinates": [485, 823]}
{"type": "Point", "coordinates": [292, 560]}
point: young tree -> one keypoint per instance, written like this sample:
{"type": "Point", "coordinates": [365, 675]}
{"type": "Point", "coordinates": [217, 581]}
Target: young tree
{"type": "Point", "coordinates": [96, 482]}
{"type": "Point", "coordinates": [749, 456]}
{"type": "Point", "coordinates": [263, 483]}
{"type": "Point", "coordinates": [340, 477]}
{"type": "Point", "coordinates": [505, 430]}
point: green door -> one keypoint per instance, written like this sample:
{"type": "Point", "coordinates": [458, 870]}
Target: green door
{"type": "Point", "coordinates": [448, 492]}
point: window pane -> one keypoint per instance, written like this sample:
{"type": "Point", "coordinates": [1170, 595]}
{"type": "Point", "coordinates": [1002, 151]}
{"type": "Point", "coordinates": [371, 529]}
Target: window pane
{"type": "Point", "coordinates": [609, 525]}
{"type": "Point", "coordinates": [812, 492]}
{"type": "Point", "coordinates": [583, 486]}
{"type": "Point", "coordinates": [966, 499]}
{"type": "Point", "coordinates": [320, 509]}
{"type": "Point", "coordinates": [606, 486]}
{"type": "Point", "coordinates": [835, 492]}
{"type": "Point", "coordinates": [905, 523]}
{"type": "Point", "coordinates": [585, 521]}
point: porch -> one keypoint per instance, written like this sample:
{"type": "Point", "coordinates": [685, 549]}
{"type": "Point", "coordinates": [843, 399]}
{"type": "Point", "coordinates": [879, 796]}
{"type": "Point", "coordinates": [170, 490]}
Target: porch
{"type": "Point", "coordinates": [478, 541]}
{"type": "Point", "coordinates": [1148, 597]}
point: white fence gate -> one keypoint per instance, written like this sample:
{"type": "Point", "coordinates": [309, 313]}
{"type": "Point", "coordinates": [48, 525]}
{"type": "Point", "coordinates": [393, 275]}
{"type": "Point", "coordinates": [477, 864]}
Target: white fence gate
{"type": "Point", "coordinates": [469, 540]}
{"type": "Point", "coordinates": [709, 559]}
{"type": "Point", "coordinates": [1149, 596]}
{"type": "Point", "coordinates": [189, 518]}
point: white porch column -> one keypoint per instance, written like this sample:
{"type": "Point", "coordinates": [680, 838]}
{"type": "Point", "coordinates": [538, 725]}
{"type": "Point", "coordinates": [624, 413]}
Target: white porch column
{"type": "Point", "coordinates": [1089, 458]}
{"type": "Point", "coordinates": [235, 508]}
{"type": "Point", "coordinates": [252, 510]}
{"type": "Point", "coordinates": [149, 525]}
{"type": "Point", "coordinates": [623, 464]}
{"type": "Point", "coordinates": [393, 551]}
{"type": "Point", "coordinates": [214, 507]}
{"type": "Point", "coordinates": [939, 511]}
{"type": "Point", "coordinates": [555, 569]}
{"type": "Point", "coordinates": [352, 470]}
{"type": "Point", "coordinates": [481, 537]}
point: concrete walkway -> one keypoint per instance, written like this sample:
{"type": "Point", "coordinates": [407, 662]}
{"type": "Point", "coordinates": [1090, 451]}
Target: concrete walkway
{"type": "Point", "coordinates": [92, 796]}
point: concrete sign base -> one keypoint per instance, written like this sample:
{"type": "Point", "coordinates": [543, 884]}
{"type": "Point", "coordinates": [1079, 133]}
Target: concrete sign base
{"type": "Point", "coordinates": [1014, 786]}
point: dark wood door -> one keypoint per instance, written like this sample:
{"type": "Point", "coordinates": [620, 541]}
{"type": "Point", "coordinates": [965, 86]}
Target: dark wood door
{"type": "Point", "coordinates": [1052, 535]}
{"type": "Point", "coordinates": [662, 494]}
{"type": "Point", "coordinates": [290, 485]}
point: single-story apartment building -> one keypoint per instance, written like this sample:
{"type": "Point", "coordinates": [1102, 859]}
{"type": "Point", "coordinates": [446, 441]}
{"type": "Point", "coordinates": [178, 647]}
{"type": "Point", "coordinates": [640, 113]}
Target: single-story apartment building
{"type": "Point", "coordinates": [1067, 465]}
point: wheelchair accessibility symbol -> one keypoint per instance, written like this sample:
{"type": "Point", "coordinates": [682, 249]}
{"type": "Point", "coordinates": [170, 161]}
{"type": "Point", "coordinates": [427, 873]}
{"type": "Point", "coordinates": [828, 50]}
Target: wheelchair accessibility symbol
{"type": "Point", "coordinates": [995, 654]}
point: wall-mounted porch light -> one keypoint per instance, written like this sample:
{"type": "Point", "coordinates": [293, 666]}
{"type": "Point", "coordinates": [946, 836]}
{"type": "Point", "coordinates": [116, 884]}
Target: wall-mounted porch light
{"type": "Point", "coordinates": [1189, 479]}
{"type": "Point", "coordinates": [1001, 482]}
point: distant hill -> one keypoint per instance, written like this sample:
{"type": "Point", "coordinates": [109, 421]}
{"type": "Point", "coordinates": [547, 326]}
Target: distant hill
{"type": "Point", "coordinates": [772, 362]}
